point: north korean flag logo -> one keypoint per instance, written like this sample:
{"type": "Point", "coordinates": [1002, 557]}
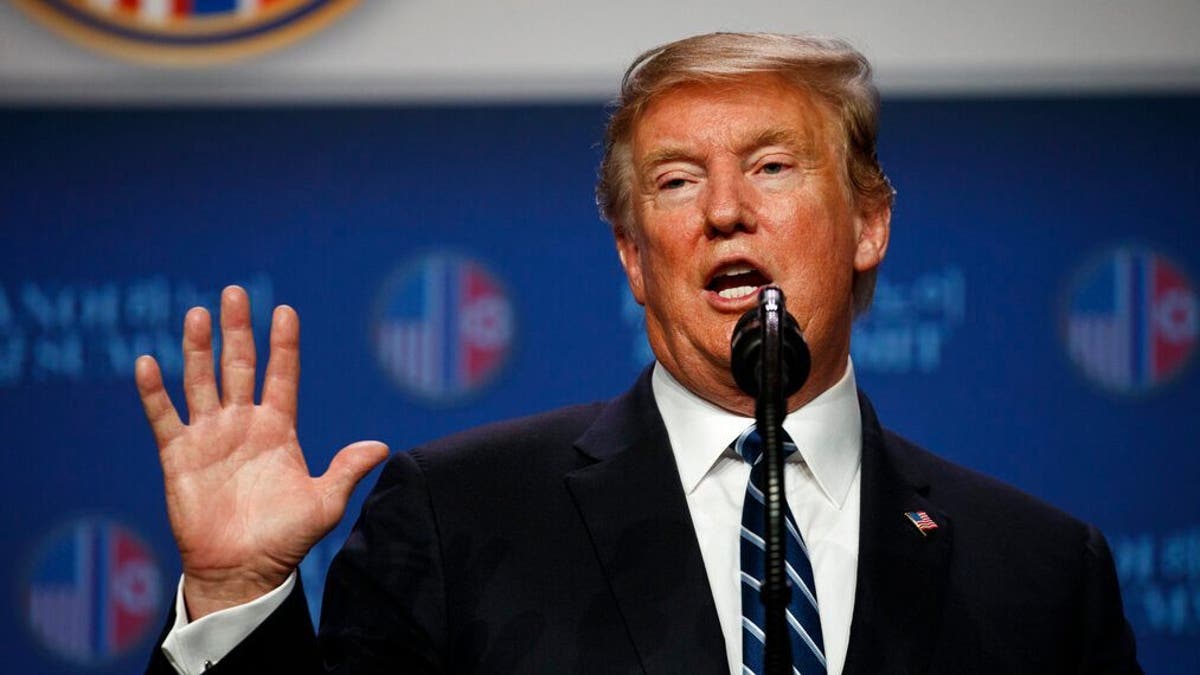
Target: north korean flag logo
{"type": "Point", "coordinates": [1132, 320]}
{"type": "Point", "coordinates": [443, 327]}
{"type": "Point", "coordinates": [94, 591]}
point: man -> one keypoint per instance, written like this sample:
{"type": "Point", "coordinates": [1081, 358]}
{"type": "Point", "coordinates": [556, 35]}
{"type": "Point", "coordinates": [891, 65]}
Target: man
{"type": "Point", "coordinates": [612, 537]}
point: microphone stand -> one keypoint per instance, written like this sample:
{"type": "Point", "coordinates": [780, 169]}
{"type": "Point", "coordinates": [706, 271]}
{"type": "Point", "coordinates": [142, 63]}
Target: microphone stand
{"type": "Point", "coordinates": [770, 361]}
{"type": "Point", "coordinates": [769, 413]}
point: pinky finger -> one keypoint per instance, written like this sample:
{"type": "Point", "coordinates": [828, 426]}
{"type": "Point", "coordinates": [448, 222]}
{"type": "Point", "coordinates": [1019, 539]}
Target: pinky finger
{"type": "Point", "coordinates": [164, 420]}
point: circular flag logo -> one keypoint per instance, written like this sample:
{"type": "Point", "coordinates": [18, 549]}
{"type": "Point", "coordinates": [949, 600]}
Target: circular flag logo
{"type": "Point", "coordinates": [94, 591]}
{"type": "Point", "coordinates": [1132, 319]}
{"type": "Point", "coordinates": [182, 32]}
{"type": "Point", "coordinates": [443, 327]}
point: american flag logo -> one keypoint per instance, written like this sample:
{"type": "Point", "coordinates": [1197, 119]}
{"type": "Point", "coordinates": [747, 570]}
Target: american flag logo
{"type": "Point", "coordinates": [443, 327]}
{"type": "Point", "coordinates": [922, 521]}
{"type": "Point", "coordinates": [1131, 320]}
{"type": "Point", "coordinates": [184, 31]}
{"type": "Point", "coordinates": [94, 592]}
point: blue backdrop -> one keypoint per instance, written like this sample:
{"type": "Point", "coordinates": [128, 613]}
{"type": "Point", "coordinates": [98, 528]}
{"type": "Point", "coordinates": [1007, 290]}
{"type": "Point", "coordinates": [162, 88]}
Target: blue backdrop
{"type": "Point", "coordinates": [1035, 318]}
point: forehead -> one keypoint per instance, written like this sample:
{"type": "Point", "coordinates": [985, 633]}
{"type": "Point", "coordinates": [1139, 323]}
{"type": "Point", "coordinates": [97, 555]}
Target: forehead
{"type": "Point", "coordinates": [732, 113]}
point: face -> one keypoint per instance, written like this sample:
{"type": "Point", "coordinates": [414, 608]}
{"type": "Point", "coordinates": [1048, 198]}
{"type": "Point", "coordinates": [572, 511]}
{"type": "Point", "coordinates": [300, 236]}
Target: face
{"type": "Point", "coordinates": [736, 186]}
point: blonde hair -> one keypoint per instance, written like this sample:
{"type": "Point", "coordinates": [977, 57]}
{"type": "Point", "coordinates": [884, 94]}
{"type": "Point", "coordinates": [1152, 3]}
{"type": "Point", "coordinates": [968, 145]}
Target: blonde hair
{"type": "Point", "coordinates": [827, 67]}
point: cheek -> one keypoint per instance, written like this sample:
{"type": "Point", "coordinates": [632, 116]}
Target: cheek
{"type": "Point", "coordinates": [665, 253]}
{"type": "Point", "coordinates": [669, 293]}
{"type": "Point", "coordinates": [822, 251]}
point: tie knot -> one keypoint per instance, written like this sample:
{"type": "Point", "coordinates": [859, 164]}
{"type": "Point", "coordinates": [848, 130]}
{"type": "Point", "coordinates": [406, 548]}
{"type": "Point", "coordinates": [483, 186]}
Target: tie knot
{"type": "Point", "coordinates": [749, 444]}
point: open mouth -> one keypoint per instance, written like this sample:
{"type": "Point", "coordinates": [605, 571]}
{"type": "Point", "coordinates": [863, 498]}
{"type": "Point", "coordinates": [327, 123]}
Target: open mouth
{"type": "Point", "coordinates": [737, 281]}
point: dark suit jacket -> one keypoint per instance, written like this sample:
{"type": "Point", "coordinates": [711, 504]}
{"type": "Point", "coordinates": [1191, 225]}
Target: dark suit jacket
{"type": "Point", "coordinates": [562, 543]}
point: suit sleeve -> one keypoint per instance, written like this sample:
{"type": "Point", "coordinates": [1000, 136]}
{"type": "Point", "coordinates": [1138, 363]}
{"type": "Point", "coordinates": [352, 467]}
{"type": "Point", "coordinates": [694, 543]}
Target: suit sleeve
{"type": "Point", "coordinates": [384, 604]}
{"type": "Point", "coordinates": [383, 608]}
{"type": "Point", "coordinates": [1108, 645]}
{"type": "Point", "coordinates": [284, 642]}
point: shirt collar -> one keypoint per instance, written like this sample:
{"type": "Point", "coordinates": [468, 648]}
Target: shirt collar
{"type": "Point", "coordinates": [827, 431]}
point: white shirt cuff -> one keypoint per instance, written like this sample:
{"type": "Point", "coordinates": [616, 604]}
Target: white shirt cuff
{"type": "Point", "coordinates": [194, 646]}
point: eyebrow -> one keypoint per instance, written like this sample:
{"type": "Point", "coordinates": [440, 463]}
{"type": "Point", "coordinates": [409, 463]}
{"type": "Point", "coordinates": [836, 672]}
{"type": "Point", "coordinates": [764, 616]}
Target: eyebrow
{"type": "Point", "coordinates": [776, 136]}
{"type": "Point", "coordinates": [670, 153]}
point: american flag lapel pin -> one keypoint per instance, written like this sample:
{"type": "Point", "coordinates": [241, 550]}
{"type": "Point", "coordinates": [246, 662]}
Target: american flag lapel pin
{"type": "Point", "coordinates": [922, 522]}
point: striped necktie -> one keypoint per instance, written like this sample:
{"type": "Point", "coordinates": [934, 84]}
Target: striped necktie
{"type": "Point", "coordinates": [808, 648]}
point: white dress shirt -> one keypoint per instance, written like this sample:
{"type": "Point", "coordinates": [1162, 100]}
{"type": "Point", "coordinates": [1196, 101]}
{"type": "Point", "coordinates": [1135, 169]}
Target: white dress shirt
{"type": "Point", "coordinates": [822, 481]}
{"type": "Point", "coordinates": [822, 484]}
{"type": "Point", "coordinates": [191, 647]}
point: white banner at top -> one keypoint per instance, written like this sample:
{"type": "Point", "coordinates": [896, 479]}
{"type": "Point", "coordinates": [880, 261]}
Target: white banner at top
{"type": "Point", "coordinates": [85, 51]}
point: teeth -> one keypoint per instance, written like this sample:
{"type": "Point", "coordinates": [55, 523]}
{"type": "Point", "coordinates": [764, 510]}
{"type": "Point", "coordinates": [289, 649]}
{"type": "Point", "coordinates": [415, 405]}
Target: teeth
{"type": "Point", "coordinates": [737, 292]}
{"type": "Point", "coordinates": [737, 269]}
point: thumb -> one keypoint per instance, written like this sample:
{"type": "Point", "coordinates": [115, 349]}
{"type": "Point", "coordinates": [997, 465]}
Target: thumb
{"type": "Point", "coordinates": [348, 467]}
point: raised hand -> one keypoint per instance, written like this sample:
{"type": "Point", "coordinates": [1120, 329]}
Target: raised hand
{"type": "Point", "coordinates": [242, 505]}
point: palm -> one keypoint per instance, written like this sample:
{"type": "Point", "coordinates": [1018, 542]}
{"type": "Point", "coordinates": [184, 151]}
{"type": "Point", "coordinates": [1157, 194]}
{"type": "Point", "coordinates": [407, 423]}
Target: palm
{"type": "Point", "coordinates": [235, 483]}
{"type": "Point", "coordinates": [242, 505]}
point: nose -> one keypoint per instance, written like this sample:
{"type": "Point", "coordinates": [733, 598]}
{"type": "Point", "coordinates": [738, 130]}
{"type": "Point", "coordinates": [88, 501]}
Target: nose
{"type": "Point", "coordinates": [727, 207]}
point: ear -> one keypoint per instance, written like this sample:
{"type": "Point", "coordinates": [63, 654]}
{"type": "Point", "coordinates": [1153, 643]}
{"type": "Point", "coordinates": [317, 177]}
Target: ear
{"type": "Point", "coordinates": [631, 259]}
{"type": "Point", "coordinates": [872, 227]}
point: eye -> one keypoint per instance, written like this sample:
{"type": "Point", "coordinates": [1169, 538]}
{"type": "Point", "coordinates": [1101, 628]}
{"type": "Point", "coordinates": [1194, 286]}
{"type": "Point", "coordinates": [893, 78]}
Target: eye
{"type": "Point", "coordinates": [672, 184]}
{"type": "Point", "coordinates": [772, 168]}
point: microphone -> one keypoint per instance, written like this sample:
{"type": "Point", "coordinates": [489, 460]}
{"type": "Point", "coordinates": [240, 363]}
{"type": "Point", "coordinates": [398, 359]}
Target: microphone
{"type": "Point", "coordinates": [770, 361]}
{"type": "Point", "coordinates": [749, 336]}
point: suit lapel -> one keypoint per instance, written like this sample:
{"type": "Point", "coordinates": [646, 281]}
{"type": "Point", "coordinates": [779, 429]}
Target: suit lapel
{"type": "Point", "coordinates": [901, 570]}
{"type": "Point", "coordinates": [637, 516]}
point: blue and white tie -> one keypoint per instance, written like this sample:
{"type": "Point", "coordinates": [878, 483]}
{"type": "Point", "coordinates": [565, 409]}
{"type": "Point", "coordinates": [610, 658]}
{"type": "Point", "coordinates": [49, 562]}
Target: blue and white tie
{"type": "Point", "coordinates": [804, 622]}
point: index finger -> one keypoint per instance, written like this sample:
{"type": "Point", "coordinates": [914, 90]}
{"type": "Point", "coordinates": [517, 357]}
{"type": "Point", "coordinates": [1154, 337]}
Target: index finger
{"type": "Point", "coordinates": [282, 380]}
